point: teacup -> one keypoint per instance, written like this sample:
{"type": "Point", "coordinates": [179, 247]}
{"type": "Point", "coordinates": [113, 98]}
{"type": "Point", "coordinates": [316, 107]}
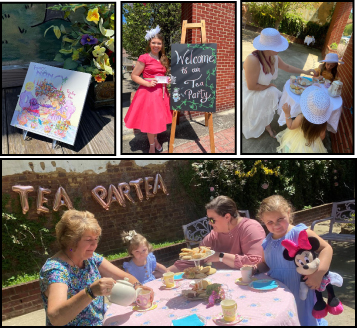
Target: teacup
{"type": "Point", "coordinates": [143, 299]}
{"type": "Point", "coordinates": [292, 79]}
{"type": "Point", "coordinates": [229, 309]}
{"type": "Point", "coordinates": [246, 272]}
{"type": "Point", "coordinates": [168, 279]}
{"type": "Point", "coordinates": [327, 83]}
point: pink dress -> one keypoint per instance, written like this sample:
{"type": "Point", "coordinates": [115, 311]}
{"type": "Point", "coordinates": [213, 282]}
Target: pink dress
{"type": "Point", "coordinates": [150, 111]}
{"type": "Point", "coordinates": [244, 241]}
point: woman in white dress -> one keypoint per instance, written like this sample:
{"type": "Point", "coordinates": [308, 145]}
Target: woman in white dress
{"type": "Point", "coordinates": [260, 97]}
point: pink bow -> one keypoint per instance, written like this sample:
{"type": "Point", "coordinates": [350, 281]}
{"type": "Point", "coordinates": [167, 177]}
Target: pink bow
{"type": "Point", "coordinates": [303, 243]}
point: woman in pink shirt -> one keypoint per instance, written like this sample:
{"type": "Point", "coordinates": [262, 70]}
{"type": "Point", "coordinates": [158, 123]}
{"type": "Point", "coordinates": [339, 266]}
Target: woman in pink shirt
{"type": "Point", "coordinates": [236, 240]}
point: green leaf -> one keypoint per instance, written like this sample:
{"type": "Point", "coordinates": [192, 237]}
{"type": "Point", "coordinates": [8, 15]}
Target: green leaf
{"type": "Point", "coordinates": [59, 58]}
{"type": "Point", "coordinates": [70, 64]}
{"type": "Point", "coordinates": [63, 30]}
{"type": "Point", "coordinates": [57, 31]}
{"type": "Point", "coordinates": [67, 39]}
{"type": "Point", "coordinates": [65, 51]}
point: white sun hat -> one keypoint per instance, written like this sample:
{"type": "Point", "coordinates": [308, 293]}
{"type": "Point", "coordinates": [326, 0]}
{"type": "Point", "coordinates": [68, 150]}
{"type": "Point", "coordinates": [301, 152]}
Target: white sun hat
{"type": "Point", "coordinates": [270, 39]}
{"type": "Point", "coordinates": [316, 105]}
{"type": "Point", "coordinates": [331, 58]}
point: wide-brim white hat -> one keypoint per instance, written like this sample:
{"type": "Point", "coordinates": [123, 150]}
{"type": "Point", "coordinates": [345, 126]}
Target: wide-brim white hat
{"type": "Point", "coordinates": [270, 39]}
{"type": "Point", "coordinates": [331, 58]}
{"type": "Point", "coordinates": [316, 105]}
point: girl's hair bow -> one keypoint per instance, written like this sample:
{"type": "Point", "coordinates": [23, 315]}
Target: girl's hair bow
{"type": "Point", "coordinates": [303, 243]}
{"type": "Point", "coordinates": [150, 34]}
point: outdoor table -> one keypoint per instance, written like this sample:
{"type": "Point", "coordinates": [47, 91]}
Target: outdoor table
{"type": "Point", "coordinates": [294, 101]}
{"type": "Point", "coordinates": [270, 308]}
{"type": "Point", "coordinates": [309, 39]}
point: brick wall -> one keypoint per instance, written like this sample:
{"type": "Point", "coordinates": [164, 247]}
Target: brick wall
{"type": "Point", "coordinates": [220, 29]}
{"type": "Point", "coordinates": [159, 219]}
{"type": "Point", "coordinates": [342, 141]}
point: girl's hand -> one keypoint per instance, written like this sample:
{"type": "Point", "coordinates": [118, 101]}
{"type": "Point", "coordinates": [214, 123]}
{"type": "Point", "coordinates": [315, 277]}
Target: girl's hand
{"type": "Point", "coordinates": [102, 286]}
{"type": "Point", "coordinates": [152, 83]}
{"type": "Point", "coordinates": [320, 77]}
{"type": "Point", "coordinates": [313, 281]}
{"type": "Point", "coordinates": [286, 109]}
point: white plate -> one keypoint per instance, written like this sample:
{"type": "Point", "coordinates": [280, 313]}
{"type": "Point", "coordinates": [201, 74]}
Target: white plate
{"type": "Point", "coordinates": [294, 91]}
{"type": "Point", "coordinates": [210, 253]}
{"type": "Point", "coordinates": [308, 82]}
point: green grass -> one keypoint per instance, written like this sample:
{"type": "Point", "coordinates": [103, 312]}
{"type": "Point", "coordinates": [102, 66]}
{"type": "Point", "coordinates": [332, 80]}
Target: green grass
{"type": "Point", "coordinates": [27, 277]}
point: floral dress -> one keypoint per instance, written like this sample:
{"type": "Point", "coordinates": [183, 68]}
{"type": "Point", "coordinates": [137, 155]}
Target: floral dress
{"type": "Point", "coordinates": [56, 270]}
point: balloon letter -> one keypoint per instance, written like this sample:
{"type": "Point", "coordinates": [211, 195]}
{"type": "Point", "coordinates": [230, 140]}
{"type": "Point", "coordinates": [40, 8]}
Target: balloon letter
{"type": "Point", "coordinates": [159, 186]}
{"type": "Point", "coordinates": [124, 190]}
{"type": "Point", "coordinates": [100, 198]}
{"type": "Point", "coordinates": [118, 197]}
{"type": "Point", "coordinates": [23, 190]}
{"type": "Point", "coordinates": [136, 184]}
{"type": "Point", "coordinates": [58, 199]}
{"type": "Point", "coordinates": [148, 187]}
{"type": "Point", "coordinates": [41, 199]}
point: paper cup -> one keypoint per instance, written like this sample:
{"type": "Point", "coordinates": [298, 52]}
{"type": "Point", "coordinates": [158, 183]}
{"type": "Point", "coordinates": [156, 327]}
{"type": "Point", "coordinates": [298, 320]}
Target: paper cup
{"type": "Point", "coordinates": [229, 309]}
{"type": "Point", "coordinates": [168, 279]}
{"type": "Point", "coordinates": [143, 299]}
{"type": "Point", "coordinates": [292, 79]}
{"type": "Point", "coordinates": [246, 273]}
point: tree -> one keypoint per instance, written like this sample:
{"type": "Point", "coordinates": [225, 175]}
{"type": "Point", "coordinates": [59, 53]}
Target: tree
{"type": "Point", "coordinates": [141, 17]}
{"type": "Point", "coordinates": [278, 10]}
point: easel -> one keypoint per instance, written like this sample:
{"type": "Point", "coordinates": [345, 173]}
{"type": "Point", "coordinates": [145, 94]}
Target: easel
{"type": "Point", "coordinates": [24, 134]}
{"type": "Point", "coordinates": [208, 116]}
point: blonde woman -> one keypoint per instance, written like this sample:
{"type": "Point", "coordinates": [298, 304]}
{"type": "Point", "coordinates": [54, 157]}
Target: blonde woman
{"type": "Point", "coordinates": [75, 280]}
{"type": "Point", "coordinates": [260, 97]}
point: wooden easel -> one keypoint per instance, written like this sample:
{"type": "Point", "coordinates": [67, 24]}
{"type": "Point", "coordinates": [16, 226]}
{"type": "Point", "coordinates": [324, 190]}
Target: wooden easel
{"type": "Point", "coordinates": [208, 116]}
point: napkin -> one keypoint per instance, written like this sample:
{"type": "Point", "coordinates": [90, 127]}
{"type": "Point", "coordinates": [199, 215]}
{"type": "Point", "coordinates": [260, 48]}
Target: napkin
{"type": "Point", "coordinates": [178, 276]}
{"type": "Point", "coordinates": [191, 320]}
{"type": "Point", "coordinates": [264, 284]}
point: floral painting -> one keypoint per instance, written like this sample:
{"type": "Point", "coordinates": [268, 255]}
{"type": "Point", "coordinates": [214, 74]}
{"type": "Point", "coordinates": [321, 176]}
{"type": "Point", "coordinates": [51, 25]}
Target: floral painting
{"type": "Point", "coordinates": [51, 102]}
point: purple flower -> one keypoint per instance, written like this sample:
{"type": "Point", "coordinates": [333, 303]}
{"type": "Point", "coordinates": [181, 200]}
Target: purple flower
{"type": "Point", "coordinates": [211, 189]}
{"type": "Point", "coordinates": [88, 39]}
{"type": "Point", "coordinates": [334, 171]}
{"type": "Point", "coordinates": [265, 185]}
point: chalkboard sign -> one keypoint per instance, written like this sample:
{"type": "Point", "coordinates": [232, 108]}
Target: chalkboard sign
{"type": "Point", "coordinates": [193, 71]}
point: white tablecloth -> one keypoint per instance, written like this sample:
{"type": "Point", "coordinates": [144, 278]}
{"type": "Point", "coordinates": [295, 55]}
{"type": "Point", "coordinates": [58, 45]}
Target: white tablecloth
{"type": "Point", "coordinates": [309, 39]}
{"type": "Point", "coordinates": [294, 101]}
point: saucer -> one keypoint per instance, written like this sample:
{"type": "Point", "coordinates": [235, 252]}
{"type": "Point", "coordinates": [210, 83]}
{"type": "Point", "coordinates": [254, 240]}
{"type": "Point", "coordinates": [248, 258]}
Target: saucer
{"type": "Point", "coordinates": [218, 320]}
{"type": "Point", "coordinates": [140, 309]}
{"type": "Point", "coordinates": [264, 285]}
{"type": "Point", "coordinates": [240, 282]}
{"type": "Point", "coordinates": [177, 284]}
{"type": "Point", "coordinates": [200, 317]}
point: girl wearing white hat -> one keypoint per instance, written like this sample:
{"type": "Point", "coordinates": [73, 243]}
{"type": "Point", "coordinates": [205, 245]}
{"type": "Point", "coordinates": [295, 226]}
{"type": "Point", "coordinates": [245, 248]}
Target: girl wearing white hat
{"type": "Point", "coordinates": [306, 132]}
{"type": "Point", "coordinates": [328, 69]}
{"type": "Point", "coordinates": [260, 97]}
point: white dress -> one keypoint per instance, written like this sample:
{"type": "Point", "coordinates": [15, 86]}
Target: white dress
{"type": "Point", "coordinates": [259, 106]}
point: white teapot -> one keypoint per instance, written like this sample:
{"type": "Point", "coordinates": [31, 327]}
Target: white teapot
{"type": "Point", "coordinates": [123, 293]}
{"type": "Point", "coordinates": [335, 88]}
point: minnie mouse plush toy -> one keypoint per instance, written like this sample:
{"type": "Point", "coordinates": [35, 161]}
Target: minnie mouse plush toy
{"type": "Point", "coordinates": [306, 261]}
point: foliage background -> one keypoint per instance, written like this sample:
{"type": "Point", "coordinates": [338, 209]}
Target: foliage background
{"type": "Point", "coordinates": [248, 182]}
{"type": "Point", "coordinates": [141, 17]}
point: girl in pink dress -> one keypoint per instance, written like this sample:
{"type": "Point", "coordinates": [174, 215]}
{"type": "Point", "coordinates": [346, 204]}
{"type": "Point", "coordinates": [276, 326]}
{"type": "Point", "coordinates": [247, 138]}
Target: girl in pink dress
{"type": "Point", "coordinates": [150, 108]}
